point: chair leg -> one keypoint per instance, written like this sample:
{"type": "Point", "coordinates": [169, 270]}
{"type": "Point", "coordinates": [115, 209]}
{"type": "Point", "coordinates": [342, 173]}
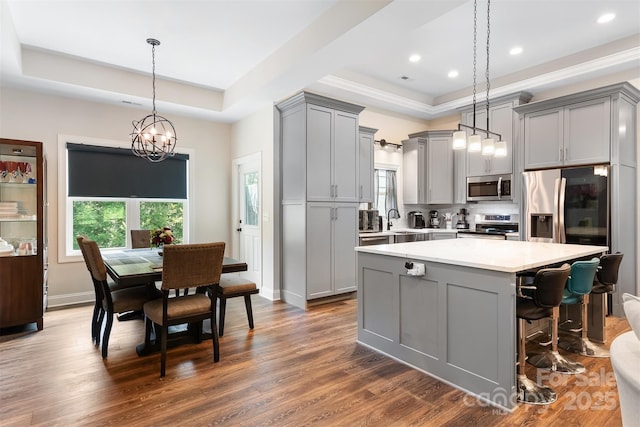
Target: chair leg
{"type": "Point", "coordinates": [148, 330]}
{"type": "Point", "coordinates": [94, 324]}
{"type": "Point", "coordinates": [223, 309]}
{"type": "Point", "coordinates": [247, 304]}
{"type": "Point", "coordinates": [528, 390]}
{"type": "Point", "coordinates": [552, 360]}
{"type": "Point", "coordinates": [583, 345]}
{"type": "Point", "coordinates": [163, 350]}
{"type": "Point", "coordinates": [214, 337]}
{"type": "Point", "coordinates": [107, 333]}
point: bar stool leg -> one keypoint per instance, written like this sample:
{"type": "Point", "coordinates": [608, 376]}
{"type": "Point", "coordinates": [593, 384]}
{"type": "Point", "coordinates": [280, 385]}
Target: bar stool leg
{"type": "Point", "coordinates": [528, 390]}
{"type": "Point", "coordinates": [582, 344]}
{"type": "Point", "coordinates": [552, 360]}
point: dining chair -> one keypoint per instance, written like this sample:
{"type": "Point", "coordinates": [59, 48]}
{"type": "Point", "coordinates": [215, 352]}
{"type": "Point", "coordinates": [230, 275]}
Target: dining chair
{"type": "Point", "coordinates": [113, 301]}
{"type": "Point", "coordinates": [140, 239]}
{"type": "Point", "coordinates": [232, 286]}
{"type": "Point", "coordinates": [197, 265]}
{"type": "Point", "coordinates": [98, 312]}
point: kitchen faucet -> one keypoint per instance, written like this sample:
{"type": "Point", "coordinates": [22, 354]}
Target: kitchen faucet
{"type": "Point", "coordinates": [389, 219]}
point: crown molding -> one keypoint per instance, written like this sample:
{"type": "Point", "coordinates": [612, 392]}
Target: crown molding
{"type": "Point", "coordinates": [422, 109]}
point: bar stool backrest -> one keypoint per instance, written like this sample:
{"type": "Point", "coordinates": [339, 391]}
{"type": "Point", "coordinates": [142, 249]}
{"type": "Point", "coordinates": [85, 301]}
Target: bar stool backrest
{"type": "Point", "coordinates": [610, 263]}
{"type": "Point", "coordinates": [550, 283]}
{"type": "Point", "coordinates": [582, 274]}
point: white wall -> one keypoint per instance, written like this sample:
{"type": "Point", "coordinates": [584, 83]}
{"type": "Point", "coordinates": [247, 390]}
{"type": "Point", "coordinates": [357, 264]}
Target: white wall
{"type": "Point", "coordinates": [255, 134]}
{"type": "Point", "coordinates": [41, 117]}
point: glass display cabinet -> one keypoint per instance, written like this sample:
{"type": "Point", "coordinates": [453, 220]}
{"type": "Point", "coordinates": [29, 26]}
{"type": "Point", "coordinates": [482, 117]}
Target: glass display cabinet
{"type": "Point", "coordinates": [22, 244]}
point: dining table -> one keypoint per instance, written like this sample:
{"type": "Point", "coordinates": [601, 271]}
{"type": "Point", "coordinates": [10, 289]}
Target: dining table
{"type": "Point", "coordinates": [129, 267]}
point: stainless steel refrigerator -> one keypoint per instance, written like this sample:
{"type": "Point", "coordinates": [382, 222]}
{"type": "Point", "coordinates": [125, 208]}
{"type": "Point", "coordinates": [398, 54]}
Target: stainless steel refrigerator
{"type": "Point", "coordinates": [568, 205]}
{"type": "Point", "coordinates": [571, 205]}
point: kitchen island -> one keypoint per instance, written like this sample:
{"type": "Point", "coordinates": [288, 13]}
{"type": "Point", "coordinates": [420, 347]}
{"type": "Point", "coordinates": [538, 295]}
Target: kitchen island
{"type": "Point", "coordinates": [457, 321]}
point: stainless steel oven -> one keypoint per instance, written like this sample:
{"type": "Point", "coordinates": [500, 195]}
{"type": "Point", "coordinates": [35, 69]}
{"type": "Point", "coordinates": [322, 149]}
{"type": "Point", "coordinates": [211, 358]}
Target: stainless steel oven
{"type": "Point", "coordinates": [490, 187]}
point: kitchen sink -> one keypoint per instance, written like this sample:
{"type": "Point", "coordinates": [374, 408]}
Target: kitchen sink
{"type": "Point", "coordinates": [407, 236]}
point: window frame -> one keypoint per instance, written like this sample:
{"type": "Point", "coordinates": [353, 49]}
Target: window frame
{"type": "Point", "coordinates": [65, 203]}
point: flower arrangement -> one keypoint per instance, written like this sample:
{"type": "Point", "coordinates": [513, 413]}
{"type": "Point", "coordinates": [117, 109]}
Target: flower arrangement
{"type": "Point", "coordinates": [161, 236]}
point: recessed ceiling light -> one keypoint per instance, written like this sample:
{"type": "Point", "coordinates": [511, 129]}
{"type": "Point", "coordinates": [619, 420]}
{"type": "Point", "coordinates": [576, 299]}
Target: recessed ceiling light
{"type": "Point", "coordinates": [517, 50]}
{"type": "Point", "coordinates": [607, 17]}
{"type": "Point", "coordinates": [453, 74]}
{"type": "Point", "coordinates": [414, 58]}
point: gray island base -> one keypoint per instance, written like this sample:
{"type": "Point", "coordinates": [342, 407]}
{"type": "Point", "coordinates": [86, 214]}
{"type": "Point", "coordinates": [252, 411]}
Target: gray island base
{"type": "Point", "coordinates": [457, 321]}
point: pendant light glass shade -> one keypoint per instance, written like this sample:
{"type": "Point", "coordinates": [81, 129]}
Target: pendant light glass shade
{"type": "Point", "coordinates": [501, 149]}
{"type": "Point", "coordinates": [488, 147]}
{"type": "Point", "coordinates": [475, 143]}
{"type": "Point", "coordinates": [459, 140]}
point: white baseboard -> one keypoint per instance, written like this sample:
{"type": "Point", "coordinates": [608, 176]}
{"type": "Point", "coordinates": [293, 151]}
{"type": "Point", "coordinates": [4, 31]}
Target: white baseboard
{"type": "Point", "coordinates": [58, 301]}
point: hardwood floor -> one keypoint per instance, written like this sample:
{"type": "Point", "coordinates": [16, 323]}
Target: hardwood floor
{"type": "Point", "coordinates": [295, 368]}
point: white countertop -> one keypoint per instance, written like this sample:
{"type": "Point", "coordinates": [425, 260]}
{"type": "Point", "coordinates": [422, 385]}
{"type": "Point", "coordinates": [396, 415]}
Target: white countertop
{"type": "Point", "coordinates": [508, 256]}
{"type": "Point", "coordinates": [408, 230]}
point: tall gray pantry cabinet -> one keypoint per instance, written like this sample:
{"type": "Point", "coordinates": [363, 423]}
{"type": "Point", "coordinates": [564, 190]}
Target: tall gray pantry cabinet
{"type": "Point", "coordinates": [597, 126]}
{"type": "Point", "coordinates": [319, 192]}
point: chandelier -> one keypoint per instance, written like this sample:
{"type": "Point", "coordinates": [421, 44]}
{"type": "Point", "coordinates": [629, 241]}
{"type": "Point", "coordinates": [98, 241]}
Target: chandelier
{"type": "Point", "coordinates": [153, 137]}
{"type": "Point", "coordinates": [476, 143]}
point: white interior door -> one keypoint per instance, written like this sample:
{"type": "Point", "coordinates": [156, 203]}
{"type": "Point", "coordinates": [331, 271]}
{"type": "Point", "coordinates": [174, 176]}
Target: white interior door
{"type": "Point", "coordinates": [249, 184]}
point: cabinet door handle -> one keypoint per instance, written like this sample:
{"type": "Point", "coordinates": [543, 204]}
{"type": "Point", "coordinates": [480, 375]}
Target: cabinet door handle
{"type": "Point", "coordinates": [561, 154]}
{"type": "Point", "coordinates": [360, 196]}
{"type": "Point", "coordinates": [336, 191]}
{"type": "Point", "coordinates": [566, 153]}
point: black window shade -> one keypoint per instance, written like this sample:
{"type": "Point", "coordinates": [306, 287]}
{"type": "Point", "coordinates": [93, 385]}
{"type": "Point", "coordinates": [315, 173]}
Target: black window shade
{"type": "Point", "coordinates": [116, 172]}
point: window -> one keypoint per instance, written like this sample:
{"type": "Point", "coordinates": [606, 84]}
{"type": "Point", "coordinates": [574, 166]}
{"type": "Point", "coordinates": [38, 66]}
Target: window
{"type": "Point", "coordinates": [110, 191]}
{"type": "Point", "coordinates": [105, 221]}
{"type": "Point", "coordinates": [385, 188]}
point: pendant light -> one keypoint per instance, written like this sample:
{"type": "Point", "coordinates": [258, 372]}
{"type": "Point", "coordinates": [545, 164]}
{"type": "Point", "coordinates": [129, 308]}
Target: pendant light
{"type": "Point", "coordinates": [153, 137]}
{"type": "Point", "coordinates": [476, 144]}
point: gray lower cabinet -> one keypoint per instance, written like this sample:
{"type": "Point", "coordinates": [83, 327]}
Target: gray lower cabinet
{"type": "Point", "coordinates": [443, 235]}
{"type": "Point", "coordinates": [331, 260]}
{"type": "Point", "coordinates": [428, 168]}
{"type": "Point", "coordinates": [576, 134]}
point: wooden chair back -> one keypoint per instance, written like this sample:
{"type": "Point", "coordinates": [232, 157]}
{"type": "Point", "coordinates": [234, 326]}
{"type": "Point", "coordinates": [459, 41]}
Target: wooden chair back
{"type": "Point", "coordinates": [140, 239]}
{"type": "Point", "coordinates": [192, 265]}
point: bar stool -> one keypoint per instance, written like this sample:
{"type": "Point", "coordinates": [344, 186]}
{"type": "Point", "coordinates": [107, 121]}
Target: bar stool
{"type": "Point", "coordinates": [552, 360]}
{"type": "Point", "coordinates": [578, 288]}
{"type": "Point", "coordinates": [606, 277]}
{"type": "Point", "coordinates": [544, 301]}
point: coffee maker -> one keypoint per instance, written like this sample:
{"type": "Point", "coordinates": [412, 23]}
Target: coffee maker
{"type": "Point", "coordinates": [462, 223]}
{"type": "Point", "coordinates": [434, 219]}
{"type": "Point", "coordinates": [415, 219]}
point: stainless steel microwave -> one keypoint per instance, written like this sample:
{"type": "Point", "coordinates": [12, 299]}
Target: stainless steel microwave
{"type": "Point", "coordinates": [490, 187]}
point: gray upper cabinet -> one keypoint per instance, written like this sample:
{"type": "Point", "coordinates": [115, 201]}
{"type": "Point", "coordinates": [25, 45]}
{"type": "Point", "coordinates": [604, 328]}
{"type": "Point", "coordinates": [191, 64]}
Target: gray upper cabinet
{"type": "Point", "coordinates": [319, 149]}
{"type": "Point", "coordinates": [439, 168]}
{"type": "Point", "coordinates": [427, 164]}
{"type": "Point", "coordinates": [575, 134]}
{"type": "Point", "coordinates": [366, 164]}
{"type": "Point", "coordinates": [414, 161]}
{"type": "Point", "coordinates": [332, 155]}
